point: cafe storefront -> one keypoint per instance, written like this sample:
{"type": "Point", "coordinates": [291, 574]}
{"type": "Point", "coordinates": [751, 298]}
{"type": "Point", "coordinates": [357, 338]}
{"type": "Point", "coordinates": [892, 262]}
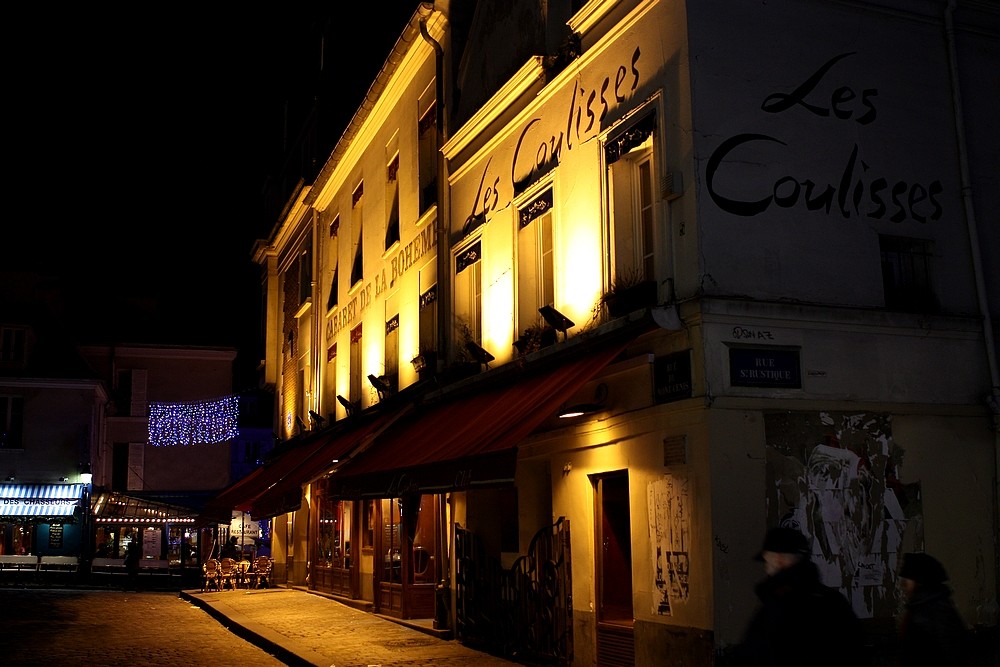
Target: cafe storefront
{"type": "Point", "coordinates": [41, 519]}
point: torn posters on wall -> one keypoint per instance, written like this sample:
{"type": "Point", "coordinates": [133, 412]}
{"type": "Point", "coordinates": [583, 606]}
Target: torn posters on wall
{"type": "Point", "coordinates": [670, 528]}
{"type": "Point", "coordinates": [833, 476]}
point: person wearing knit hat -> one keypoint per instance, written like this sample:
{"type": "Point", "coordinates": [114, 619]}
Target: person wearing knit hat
{"type": "Point", "coordinates": [799, 621]}
{"type": "Point", "coordinates": [931, 631]}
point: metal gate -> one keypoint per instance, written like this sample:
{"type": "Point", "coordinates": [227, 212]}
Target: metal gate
{"type": "Point", "coordinates": [524, 613]}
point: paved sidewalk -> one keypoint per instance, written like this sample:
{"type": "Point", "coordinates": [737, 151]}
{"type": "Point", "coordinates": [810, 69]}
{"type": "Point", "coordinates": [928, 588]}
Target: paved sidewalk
{"type": "Point", "coordinates": [303, 628]}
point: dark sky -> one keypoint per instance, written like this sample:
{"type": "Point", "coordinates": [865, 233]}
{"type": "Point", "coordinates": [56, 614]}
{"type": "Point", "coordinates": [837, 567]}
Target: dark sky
{"type": "Point", "coordinates": [138, 145]}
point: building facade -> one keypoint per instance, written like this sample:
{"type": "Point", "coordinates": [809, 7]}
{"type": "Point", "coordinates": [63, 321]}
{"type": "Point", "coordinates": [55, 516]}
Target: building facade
{"type": "Point", "coordinates": [51, 415]}
{"type": "Point", "coordinates": [792, 202]}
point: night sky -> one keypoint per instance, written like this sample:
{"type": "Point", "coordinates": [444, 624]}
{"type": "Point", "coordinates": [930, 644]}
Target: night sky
{"type": "Point", "coordinates": [139, 144]}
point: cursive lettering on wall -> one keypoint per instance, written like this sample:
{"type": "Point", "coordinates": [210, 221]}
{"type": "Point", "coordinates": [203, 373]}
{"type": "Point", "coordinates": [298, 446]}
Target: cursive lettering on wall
{"type": "Point", "coordinates": [538, 149]}
{"type": "Point", "coordinates": [860, 191]}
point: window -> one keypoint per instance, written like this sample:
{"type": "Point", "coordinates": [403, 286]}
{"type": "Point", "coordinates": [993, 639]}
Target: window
{"type": "Point", "coordinates": [332, 300]}
{"type": "Point", "coordinates": [358, 267]}
{"type": "Point", "coordinates": [428, 320]}
{"type": "Point", "coordinates": [12, 345]}
{"type": "Point", "coordinates": [906, 274]}
{"type": "Point", "coordinates": [469, 290]}
{"type": "Point", "coordinates": [329, 385]}
{"type": "Point", "coordinates": [391, 375]}
{"type": "Point", "coordinates": [355, 370]}
{"type": "Point", "coordinates": [535, 281]}
{"type": "Point", "coordinates": [427, 138]}
{"type": "Point", "coordinates": [11, 422]}
{"type": "Point", "coordinates": [305, 275]}
{"type": "Point", "coordinates": [392, 202]}
{"type": "Point", "coordinates": [631, 184]}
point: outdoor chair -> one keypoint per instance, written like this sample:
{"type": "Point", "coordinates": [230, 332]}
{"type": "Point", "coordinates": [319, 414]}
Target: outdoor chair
{"type": "Point", "coordinates": [227, 573]}
{"type": "Point", "coordinates": [210, 577]}
{"type": "Point", "coordinates": [261, 572]}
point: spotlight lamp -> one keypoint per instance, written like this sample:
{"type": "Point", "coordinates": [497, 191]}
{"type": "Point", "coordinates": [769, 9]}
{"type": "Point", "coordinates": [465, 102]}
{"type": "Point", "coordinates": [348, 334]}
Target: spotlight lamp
{"type": "Point", "coordinates": [478, 353]}
{"type": "Point", "coordinates": [556, 320]}
{"type": "Point", "coordinates": [317, 418]}
{"type": "Point", "coordinates": [301, 424]}
{"type": "Point", "coordinates": [350, 407]}
{"type": "Point", "coordinates": [381, 386]}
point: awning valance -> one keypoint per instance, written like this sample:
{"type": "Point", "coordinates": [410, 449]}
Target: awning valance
{"type": "Point", "coordinates": [40, 500]}
{"type": "Point", "coordinates": [467, 441]}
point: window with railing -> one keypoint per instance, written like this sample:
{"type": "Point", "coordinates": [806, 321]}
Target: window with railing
{"type": "Point", "coordinates": [630, 157]}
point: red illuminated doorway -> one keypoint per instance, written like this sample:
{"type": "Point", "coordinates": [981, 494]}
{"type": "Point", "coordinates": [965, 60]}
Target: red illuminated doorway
{"type": "Point", "coordinates": [613, 569]}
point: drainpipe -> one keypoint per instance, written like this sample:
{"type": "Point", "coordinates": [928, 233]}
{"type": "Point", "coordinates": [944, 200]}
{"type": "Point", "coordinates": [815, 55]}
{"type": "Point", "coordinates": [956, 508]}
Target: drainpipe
{"type": "Point", "coordinates": [443, 208]}
{"type": "Point", "coordinates": [445, 593]}
{"type": "Point", "coordinates": [993, 398]}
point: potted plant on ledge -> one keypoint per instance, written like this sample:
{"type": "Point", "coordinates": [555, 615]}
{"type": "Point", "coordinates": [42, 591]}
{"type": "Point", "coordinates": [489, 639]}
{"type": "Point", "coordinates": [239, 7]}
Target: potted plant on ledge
{"type": "Point", "coordinates": [629, 292]}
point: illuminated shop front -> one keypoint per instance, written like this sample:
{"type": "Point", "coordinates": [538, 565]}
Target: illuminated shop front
{"type": "Point", "coordinates": [41, 519]}
{"type": "Point", "coordinates": [166, 532]}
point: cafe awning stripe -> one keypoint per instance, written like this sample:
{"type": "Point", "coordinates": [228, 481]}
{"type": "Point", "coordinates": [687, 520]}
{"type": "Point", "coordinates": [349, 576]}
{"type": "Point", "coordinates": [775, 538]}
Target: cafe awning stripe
{"type": "Point", "coordinates": [39, 499]}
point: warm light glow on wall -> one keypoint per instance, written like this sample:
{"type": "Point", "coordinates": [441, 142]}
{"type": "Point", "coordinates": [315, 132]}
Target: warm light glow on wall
{"type": "Point", "coordinates": [498, 291]}
{"type": "Point", "coordinates": [195, 422]}
{"type": "Point", "coordinates": [581, 255]}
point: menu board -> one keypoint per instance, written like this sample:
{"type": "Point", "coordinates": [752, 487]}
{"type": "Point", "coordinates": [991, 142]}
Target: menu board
{"type": "Point", "coordinates": [55, 536]}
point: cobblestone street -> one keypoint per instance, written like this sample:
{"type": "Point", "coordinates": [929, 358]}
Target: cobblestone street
{"type": "Point", "coordinates": [92, 627]}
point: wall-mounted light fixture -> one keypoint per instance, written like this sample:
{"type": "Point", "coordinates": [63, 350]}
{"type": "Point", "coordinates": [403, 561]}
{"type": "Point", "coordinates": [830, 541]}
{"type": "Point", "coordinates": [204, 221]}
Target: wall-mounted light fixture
{"type": "Point", "coordinates": [478, 353]}
{"type": "Point", "coordinates": [317, 419]}
{"type": "Point", "coordinates": [581, 409]}
{"type": "Point", "coordinates": [556, 320]}
{"type": "Point", "coordinates": [419, 363]}
{"type": "Point", "coordinates": [350, 407]}
{"type": "Point", "coordinates": [10, 478]}
{"type": "Point", "coordinates": [381, 386]}
{"type": "Point", "coordinates": [64, 479]}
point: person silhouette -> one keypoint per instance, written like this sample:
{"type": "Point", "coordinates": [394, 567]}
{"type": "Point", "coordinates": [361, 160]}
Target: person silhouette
{"type": "Point", "coordinates": [799, 621]}
{"type": "Point", "coordinates": [931, 630]}
{"type": "Point", "coordinates": [133, 554]}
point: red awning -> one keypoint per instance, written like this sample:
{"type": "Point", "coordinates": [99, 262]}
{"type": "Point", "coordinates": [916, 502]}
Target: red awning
{"type": "Point", "coordinates": [468, 441]}
{"type": "Point", "coordinates": [239, 494]}
{"type": "Point", "coordinates": [286, 494]}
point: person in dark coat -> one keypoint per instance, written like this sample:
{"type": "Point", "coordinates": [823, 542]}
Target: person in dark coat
{"type": "Point", "coordinates": [931, 632]}
{"type": "Point", "coordinates": [133, 554]}
{"type": "Point", "coordinates": [799, 620]}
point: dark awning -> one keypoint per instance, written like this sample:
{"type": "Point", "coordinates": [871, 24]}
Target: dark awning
{"type": "Point", "coordinates": [286, 494]}
{"type": "Point", "coordinates": [39, 500]}
{"type": "Point", "coordinates": [470, 440]}
{"type": "Point", "coordinates": [238, 495]}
